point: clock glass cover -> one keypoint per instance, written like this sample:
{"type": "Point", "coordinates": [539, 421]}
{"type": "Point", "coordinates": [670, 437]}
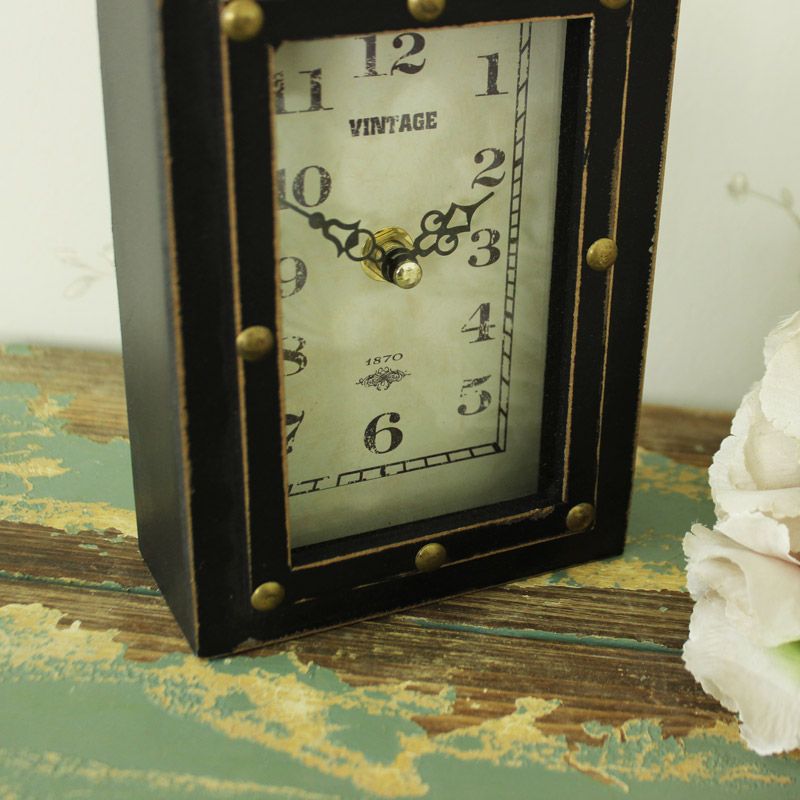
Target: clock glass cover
{"type": "Point", "coordinates": [416, 178]}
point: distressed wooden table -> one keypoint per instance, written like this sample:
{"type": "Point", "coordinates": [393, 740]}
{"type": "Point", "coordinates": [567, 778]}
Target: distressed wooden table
{"type": "Point", "coordinates": [569, 682]}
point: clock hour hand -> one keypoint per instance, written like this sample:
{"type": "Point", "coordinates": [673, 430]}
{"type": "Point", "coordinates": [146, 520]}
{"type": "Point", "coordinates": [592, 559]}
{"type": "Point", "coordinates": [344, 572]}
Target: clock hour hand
{"type": "Point", "coordinates": [344, 235]}
{"type": "Point", "coordinates": [383, 255]}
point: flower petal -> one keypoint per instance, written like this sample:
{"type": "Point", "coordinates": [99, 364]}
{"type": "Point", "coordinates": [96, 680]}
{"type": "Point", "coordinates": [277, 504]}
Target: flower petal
{"type": "Point", "coordinates": [770, 456]}
{"type": "Point", "coordinates": [761, 593]}
{"type": "Point", "coordinates": [761, 684]}
{"type": "Point", "coordinates": [763, 534]}
{"type": "Point", "coordinates": [780, 392]}
{"type": "Point", "coordinates": [728, 470]}
{"type": "Point", "coordinates": [781, 503]}
{"type": "Point", "coordinates": [783, 331]}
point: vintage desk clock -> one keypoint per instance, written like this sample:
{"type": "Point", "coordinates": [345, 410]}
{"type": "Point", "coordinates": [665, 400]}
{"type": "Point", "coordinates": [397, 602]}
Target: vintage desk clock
{"type": "Point", "coordinates": [384, 274]}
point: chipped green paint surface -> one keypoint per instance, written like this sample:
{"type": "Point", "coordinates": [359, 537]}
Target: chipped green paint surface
{"type": "Point", "coordinates": [79, 716]}
{"type": "Point", "coordinates": [79, 719]}
{"type": "Point", "coordinates": [51, 477]}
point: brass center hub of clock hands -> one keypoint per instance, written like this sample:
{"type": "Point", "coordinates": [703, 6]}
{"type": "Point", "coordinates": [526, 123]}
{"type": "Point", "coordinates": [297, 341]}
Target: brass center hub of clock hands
{"type": "Point", "coordinates": [386, 257]}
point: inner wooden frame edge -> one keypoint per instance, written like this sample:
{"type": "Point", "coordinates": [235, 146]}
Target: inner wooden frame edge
{"type": "Point", "coordinates": [535, 513]}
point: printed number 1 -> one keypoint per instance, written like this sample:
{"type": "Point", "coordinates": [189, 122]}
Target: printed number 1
{"type": "Point", "coordinates": [492, 64]}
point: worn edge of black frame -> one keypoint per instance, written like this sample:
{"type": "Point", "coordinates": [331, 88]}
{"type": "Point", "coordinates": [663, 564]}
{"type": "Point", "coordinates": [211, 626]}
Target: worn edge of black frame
{"type": "Point", "coordinates": [380, 554]}
{"type": "Point", "coordinates": [131, 69]}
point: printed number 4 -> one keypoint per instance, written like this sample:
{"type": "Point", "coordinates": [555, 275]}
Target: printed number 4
{"type": "Point", "coordinates": [483, 327]}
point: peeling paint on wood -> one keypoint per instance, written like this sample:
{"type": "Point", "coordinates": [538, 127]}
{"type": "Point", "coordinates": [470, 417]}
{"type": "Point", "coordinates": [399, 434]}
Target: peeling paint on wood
{"type": "Point", "coordinates": [570, 682]}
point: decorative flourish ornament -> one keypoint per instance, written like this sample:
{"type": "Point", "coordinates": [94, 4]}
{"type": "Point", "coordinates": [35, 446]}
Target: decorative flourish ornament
{"type": "Point", "coordinates": [383, 378]}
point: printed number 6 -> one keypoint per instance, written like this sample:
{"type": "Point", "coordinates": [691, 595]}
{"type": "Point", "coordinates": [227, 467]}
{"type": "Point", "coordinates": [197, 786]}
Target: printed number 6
{"type": "Point", "coordinates": [373, 430]}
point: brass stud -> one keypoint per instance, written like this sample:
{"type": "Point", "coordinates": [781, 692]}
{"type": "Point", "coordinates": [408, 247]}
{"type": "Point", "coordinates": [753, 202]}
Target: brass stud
{"type": "Point", "coordinates": [426, 10]}
{"type": "Point", "coordinates": [580, 517]}
{"type": "Point", "coordinates": [602, 254]}
{"type": "Point", "coordinates": [255, 343]}
{"type": "Point", "coordinates": [268, 596]}
{"type": "Point", "coordinates": [241, 20]}
{"type": "Point", "coordinates": [614, 4]}
{"type": "Point", "coordinates": [430, 557]}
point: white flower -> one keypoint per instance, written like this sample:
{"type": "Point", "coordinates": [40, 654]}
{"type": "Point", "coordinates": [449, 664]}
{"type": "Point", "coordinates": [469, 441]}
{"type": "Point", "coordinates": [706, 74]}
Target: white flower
{"type": "Point", "coordinates": [744, 637]}
{"type": "Point", "coordinates": [761, 684]}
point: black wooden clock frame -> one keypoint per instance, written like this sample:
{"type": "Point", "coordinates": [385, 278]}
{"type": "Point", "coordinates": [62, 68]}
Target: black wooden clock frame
{"type": "Point", "coordinates": [188, 127]}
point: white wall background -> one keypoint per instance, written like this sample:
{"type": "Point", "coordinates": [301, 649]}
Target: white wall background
{"type": "Point", "coordinates": [727, 269]}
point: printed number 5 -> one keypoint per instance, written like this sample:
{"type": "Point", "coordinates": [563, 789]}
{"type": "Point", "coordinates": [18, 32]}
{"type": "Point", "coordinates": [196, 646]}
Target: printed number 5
{"type": "Point", "coordinates": [484, 398]}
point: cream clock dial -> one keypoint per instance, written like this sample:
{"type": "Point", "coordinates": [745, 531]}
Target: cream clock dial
{"type": "Point", "coordinates": [416, 179]}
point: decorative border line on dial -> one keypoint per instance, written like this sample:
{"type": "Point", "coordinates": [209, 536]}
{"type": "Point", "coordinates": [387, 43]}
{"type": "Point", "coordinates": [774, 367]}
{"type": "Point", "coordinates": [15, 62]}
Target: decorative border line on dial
{"type": "Point", "coordinates": [520, 119]}
{"type": "Point", "coordinates": [499, 446]}
{"type": "Point", "coordinates": [393, 468]}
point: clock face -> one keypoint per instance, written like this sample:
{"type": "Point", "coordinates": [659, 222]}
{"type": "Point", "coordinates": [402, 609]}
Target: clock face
{"type": "Point", "coordinates": [401, 404]}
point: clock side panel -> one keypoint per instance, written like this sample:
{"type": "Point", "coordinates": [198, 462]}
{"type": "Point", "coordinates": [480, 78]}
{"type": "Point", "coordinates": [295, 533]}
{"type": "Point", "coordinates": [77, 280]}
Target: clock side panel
{"type": "Point", "coordinates": [641, 172]}
{"type": "Point", "coordinates": [134, 133]}
{"type": "Point", "coordinates": [170, 192]}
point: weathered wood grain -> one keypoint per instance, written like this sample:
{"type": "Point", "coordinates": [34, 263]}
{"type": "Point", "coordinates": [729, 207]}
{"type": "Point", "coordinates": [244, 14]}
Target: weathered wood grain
{"type": "Point", "coordinates": [488, 670]}
{"type": "Point", "coordinates": [87, 561]}
{"type": "Point", "coordinates": [686, 435]}
{"type": "Point", "coordinates": [38, 552]}
{"type": "Point", "coordinates": [94, 380]}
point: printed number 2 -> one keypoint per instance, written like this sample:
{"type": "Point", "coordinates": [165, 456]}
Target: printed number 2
{"type": "Point", "coordinates": [498, 159]}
